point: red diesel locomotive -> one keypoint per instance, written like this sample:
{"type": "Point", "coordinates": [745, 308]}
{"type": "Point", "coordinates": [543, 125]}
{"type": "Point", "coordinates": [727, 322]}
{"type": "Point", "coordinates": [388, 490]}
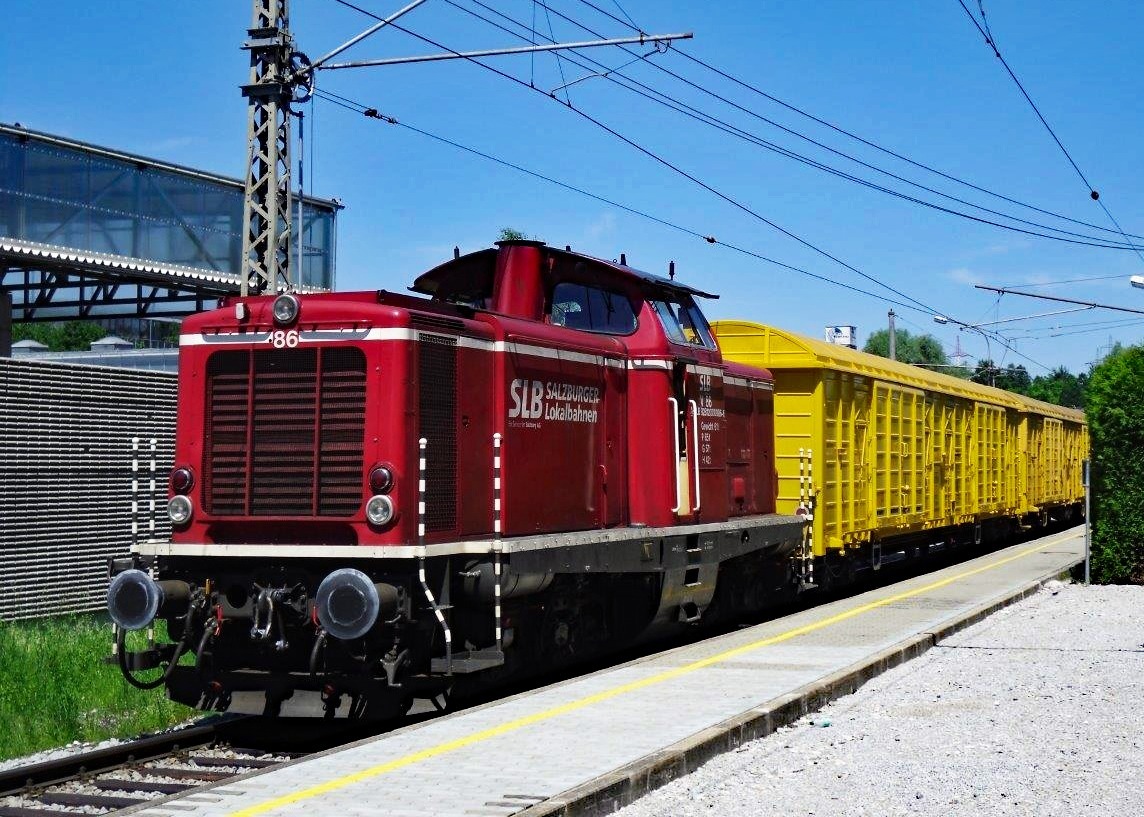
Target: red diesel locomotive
{"type": "Point", "coordinates": [378, 496]}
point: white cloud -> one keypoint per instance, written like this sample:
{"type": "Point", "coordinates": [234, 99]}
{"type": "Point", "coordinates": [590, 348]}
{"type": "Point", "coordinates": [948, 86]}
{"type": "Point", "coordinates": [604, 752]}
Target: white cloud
{"type": "Point", "coordinates": [964, 275]}
{"type": "Point", "coordinates": [1037, 278]}
{"type": "Point", "coordinates": [1002, 247]}
{"type": "Point", "coordinates": [603, 226]}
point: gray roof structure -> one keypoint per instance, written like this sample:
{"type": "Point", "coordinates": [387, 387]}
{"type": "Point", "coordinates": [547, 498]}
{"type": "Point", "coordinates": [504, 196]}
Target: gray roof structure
{"type": "Point", "coordinates": [89, 232]}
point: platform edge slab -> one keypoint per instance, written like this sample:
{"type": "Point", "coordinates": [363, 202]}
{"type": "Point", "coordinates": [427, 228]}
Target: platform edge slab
{"type": "Point", "coordinates": [623, 786]}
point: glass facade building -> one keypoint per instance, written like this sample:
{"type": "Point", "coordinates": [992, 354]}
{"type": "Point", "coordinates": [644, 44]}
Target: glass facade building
{"type": "Point", "coordinates": [87, 198]}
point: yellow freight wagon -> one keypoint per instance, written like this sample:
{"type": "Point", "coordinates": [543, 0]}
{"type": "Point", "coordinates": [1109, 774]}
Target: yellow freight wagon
{"type": "Point", "coordinates": [1056, 444]}
{"type": "Point", "coordinates": [885, 452]}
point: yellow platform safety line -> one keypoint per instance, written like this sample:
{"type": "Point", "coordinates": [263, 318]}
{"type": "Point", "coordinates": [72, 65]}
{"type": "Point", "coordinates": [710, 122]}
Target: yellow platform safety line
{"type": "Point", "coordinates": [633, 686]}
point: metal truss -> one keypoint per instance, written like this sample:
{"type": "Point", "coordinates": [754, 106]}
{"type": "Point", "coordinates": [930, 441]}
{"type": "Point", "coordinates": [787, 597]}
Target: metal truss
{"type": "Point", "coordinates": [40, 294]}
{"type": "Point", "coordinates": [266, 209]}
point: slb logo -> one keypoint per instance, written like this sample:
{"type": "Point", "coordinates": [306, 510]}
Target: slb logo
{"type": "Point", "coordinates": [527, 398]}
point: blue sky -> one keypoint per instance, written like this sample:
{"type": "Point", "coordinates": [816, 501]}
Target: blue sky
{"type": "Point", "coordinates": [161, 79]}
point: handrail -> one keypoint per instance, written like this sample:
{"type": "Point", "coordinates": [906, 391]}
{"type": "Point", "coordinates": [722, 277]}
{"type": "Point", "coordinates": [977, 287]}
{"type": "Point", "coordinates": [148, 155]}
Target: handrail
{"type": "Point", "coordinates": [675, 447]}
{"type": "Point", "coordinates": [422, 469]}
{"type": "Point", "coordinates": [497, 513]}
{"type": "Point", "coordinates": [695, 450]}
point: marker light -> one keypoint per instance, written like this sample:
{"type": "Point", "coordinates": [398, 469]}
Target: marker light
{"type": "Point", "coordinates": [381, 479]}
{"type": "Point", "coordinates": [182, 480]}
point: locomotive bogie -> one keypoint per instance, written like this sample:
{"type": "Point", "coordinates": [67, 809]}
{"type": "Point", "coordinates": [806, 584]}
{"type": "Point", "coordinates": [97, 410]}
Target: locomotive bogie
{"type": "Point", "coordinates": [264, 638]}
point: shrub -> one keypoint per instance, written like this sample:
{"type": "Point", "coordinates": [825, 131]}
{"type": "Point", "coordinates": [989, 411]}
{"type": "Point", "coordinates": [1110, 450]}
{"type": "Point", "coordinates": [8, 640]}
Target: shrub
{"type": "Point", "coordinates": [1115, 408]}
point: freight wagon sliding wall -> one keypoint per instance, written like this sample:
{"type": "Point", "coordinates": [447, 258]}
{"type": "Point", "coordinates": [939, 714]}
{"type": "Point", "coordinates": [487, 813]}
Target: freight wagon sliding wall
{"type": "Point", "coordinates": [891, 450]}
{"type": "Point", "coordinates": [65, 478]}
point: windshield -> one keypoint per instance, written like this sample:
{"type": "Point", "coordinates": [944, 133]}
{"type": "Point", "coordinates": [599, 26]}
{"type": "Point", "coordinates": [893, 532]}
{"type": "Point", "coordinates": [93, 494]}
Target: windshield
{"type": "Point", "coordinates": [683, 322]}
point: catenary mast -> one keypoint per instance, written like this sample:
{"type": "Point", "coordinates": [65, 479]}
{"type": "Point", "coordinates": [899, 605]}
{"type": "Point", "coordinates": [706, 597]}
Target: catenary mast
{"type": "Point", "coordinates": [266, 207]}
{"type": "Point", "coordinates": [280, 76]}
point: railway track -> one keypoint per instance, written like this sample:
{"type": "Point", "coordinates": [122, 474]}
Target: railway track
{"type": "Point", "coordinates": [107, 780]}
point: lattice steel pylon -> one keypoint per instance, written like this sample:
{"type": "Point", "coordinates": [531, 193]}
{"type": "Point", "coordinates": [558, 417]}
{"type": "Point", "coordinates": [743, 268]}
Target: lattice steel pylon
{"type": "Point", "coordinates": [279, 76]}
{"type": "Point", "coordinates": [266, 209]}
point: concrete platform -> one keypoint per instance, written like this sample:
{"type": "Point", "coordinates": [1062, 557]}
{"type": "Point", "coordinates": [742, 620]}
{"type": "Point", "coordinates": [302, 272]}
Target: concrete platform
{"type": "Point", "coordinates": [595, 743]}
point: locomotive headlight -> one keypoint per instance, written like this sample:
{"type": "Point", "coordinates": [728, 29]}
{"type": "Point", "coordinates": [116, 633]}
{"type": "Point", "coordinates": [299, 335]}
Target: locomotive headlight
{"type": "Point", "coordinates": [379, 510]}
{"type": "Point", "coordinates": [133, 599]}
{"type": "Point", "coordinates": [286, 308]}
{"type": "Point", "coordinates": [179, 509]}
{"type": "Point", "coordinates": [347, 603]}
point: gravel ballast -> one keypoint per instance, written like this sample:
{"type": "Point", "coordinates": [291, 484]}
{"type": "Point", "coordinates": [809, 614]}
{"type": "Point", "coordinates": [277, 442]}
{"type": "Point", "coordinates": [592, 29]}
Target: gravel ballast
{"type": "Point", "coordinates": [1037, 710]}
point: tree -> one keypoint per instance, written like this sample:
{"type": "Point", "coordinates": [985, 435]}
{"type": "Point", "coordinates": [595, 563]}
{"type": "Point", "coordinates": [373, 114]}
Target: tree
{"type": "Point", "coordinates": [69, 336]}
{"type": "Point", "coordinates": [1115, 411]}
{"type": "Point", "coordinates": [40, 332]}
{"type": "Point", "coordinates": [77, 336]}
{"type": "Point", "coordinates": [1012, 378]}
{"type": "Point", "coordinates": [1016, 378]}
{"type": "Point", "coordinates": [1061, 387]}
{"type": "Point", "coordinates": [511, 234]}
{"type": "Point", "coordinates": [920, 350]}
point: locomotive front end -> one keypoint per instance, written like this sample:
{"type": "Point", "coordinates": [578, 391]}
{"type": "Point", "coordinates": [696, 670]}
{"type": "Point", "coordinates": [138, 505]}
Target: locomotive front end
{"type": "Point", "coordinates": [295, 478]}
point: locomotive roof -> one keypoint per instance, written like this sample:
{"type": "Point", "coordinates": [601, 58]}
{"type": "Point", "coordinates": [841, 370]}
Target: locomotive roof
{"type": "Point", "coordinates": [472, 274]}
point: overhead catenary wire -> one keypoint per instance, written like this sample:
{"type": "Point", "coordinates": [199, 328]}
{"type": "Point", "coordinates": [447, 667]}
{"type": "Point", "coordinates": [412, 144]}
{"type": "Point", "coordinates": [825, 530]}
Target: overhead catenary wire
{"type": "Point", "coordinates": [988, 36]}
{"type": "Point", "coordinates": [862, 140]}
{"type": "Point", "coordinates": [1066, 329]}
{"type": "Point", "coordinates": [660, 160]}
{"type": "Point", "coordinates": [627, 16]}
{"type": "Point", "coordinates": [1052, 327]}
{"type": "Point", "coordinates": [357, 107]}
{"type": "Point", "coordinates": [372, 113]}
{"type": "Point", "coordinates": [992, 43]}
{"type": "Point", "coordinates": [532, 40]}
{"type": "Point", "coordinates": [1083, 331]}
{"type": "Point", "coordinates": [917, 304]}
{"type": "Point", "coordinates": [1005, 343]}
{"type": "Point", "coordinates": [662, 98]}
{"type": "Point", "coordinates": [1027, 284]}
{"type": "Point", "coordinates": [559, 61]}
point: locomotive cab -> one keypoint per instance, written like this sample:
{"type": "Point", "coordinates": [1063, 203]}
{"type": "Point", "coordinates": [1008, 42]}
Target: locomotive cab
{"type": "Point", "coordinates": [670, 371]}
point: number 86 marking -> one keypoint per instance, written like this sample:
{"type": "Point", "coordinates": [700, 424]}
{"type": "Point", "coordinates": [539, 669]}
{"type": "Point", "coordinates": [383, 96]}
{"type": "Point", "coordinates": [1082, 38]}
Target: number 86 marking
{"type": "Point", "coordinates": [280, 339]}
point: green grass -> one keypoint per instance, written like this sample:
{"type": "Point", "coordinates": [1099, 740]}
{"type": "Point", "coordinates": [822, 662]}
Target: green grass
{"type": "Point", "coordinates": [55, 688]}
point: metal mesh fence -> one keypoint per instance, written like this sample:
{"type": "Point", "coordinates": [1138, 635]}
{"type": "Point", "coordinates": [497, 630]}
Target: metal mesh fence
{"type": "Point", "coordinates": [66, 499]}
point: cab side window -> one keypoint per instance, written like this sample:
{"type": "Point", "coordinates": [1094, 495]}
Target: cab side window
{"type": "Point", "coordinates": [591, 309]}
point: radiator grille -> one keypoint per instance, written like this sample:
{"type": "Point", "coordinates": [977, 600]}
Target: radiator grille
{"type": "Point", "coordinates": [438, 322]}
{"type": "Point", "coordinates": [284, 432]}
{"type": "Point", "coordinates": [437, 403]}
